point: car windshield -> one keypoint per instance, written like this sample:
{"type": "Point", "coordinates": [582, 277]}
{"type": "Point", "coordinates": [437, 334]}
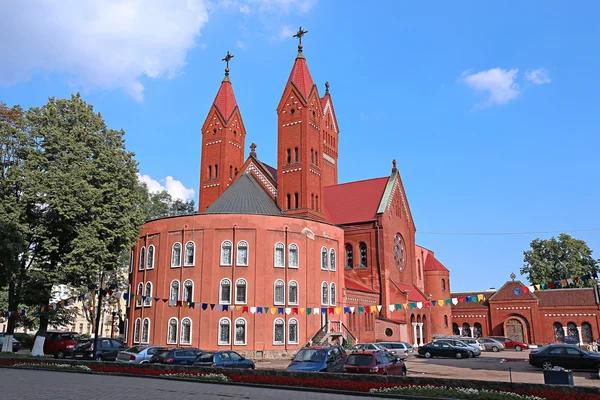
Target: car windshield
{"type": "Point", "coordinates": [135, 349]}
{"type": "Point", "coordinates": [162, 353]}
{"type": "Point", "coordinates": [69, 336]}
{"type": "Point", "coordinates": [361, 360]}
{"type": "Point", "coordinates": [408, 346]}
{"type": "Point", "coordinates": [310, 355]}
{"type": "Point", "coordinates": [206, 357]}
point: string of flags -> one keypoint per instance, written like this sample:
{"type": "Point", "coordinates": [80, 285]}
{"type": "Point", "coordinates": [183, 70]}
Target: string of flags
{"type": "Point", "coordinates": [560, 284]}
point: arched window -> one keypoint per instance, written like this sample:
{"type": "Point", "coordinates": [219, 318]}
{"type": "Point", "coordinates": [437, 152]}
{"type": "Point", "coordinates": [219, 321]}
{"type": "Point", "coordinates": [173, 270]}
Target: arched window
{"type": "Point", "coordinates": [140, 292]}
{"type": "Point", "coordinates": [146, 331]}
{"type": "Point", "coordinates": [293, 256]}
{"type": "Point", "coordinates": [420, 273]}
{"type": "Point", "coordinates": [400, 252]}
{"type": "Point", "coordinates": [455, 330]}
{"type": "Point", "coordinates": [349, 256]}
{"type": "Point", "coordinates": [362, 247]}
{"type": "Point", "coordinates": [240, 291]}
{"type": "Point", "coordinates": [189, 258]}
{"type": "Point", "coordinates": [148, 294]}
{"type": "Point", "coordinates": [240, 332]}
{"type": "Point", "coordinates": [224, 331]}
{"type": "Point", "coordinates": [293, 331]}
{"type": "Point", "coordinates": [325, 294]}
{"type": "Point", "coordinates": [293, 293]}
{"type": "Point", "coordinates": [136, 330]}
{"type": "Point", "coordinates": [466, 330]}
{"type": "Point", "coordinates": [172, 331]}
{"type": "Point", "coordinates": [332, 260]}
{"type": "Point", "coordinates": [296, 200]}
{"type": "Point", "coordinates": [242, 253]}
{"type": "Point", "coordinates": [216, 170]}
{"type": "Point", "coordinates": [131, 257]}
{"type": "Point", "coordinates": [324, 258]}
{"type": "Point", "coordinates": [289, 201]}
{"type": "Point", "coordinates": [150, 264]}
{"type": "Point", "coordinates": [188, 290]}
{"type": "Point", "coordinates": [445, 321]}
{"type": "Point", "coordinates": [129, 295]}
{"type": "Point", "coordinates": [443, 285]}
{"type": "Point", "coordinates": [176, 255]}
{"type": "Point", "coordinates": [210, 171]}
{"type": "Point", "coordinates": [279, 255]}
{"type": "Point", "coordinates": [225, 291]}
{"type": "Point", "coordinates": [332, 297]}
{"type": "Point", "coordinates": [559, 332]}
{"type": "Point", "coordinates": [226, 248]}
{"type": "Point", "coordinates": [186, 331]}
{"type": "Point", "coordinates": [174, 293]}
{"type": "Point", "coordinates": [279, 293]}
{"type": "Point", "coordinates": [572, 331]}
{"type": "Point", "coordinates": [478, 330]}
{"type": "Point", "coordinates": [142, 258]}
{"type": "Point", "coordinates": [586, 332]}
{"type": "Point", "coordinates": [278, 331]}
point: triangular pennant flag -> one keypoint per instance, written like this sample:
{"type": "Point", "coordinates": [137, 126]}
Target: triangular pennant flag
{"type": "Point", "coordinates": [419, 305]}
{"type": "Point", "coordinates": [266, 310]}
{"type": "Point", "coordinates": [225, 307]}
{"type": "Point", "coordinates": [564, 283]}
{"type": "Point", "coordinates": [454, 301]}
{"type": "Point", "coordinates": [288, 310]}
{"type": "Point", "coordinates": [323, 310]}
{"type": "Point", "coordinates": [218, 307]}
{"type": "Point", "coordinates": [156, 299]}
{"type": "Point", "coordinates": [474, 299]}
{"type": "Point", "coordinates": [405, 306]}
{"type": "Point", "coordinates": [204, 306]}
{"type": "Point", "coordinates": [192, 304]}
{"type": "Point", "coordinates": [346, 310]}
{"type": "Point", "coordinates": [391, 308]}
{"type": "Point", "coordinates": [279, 310]}
{"type": "Point", "coordinates": [398, 307]}
{"type": "Point", "coordinates": [440, 303]}
{"type": "Point", "coordinates": [427, 304]}
{"type": "Point", "coordinates": [594, 275]}
{"type": "Point", "coordinates": [538, 287]}
{"type": "Point", "coordinates": [531, 289]}
{"type": "Point", "coordinates": [331, 310]}
{"type": "Point", "coordinates": [294, 310]}
{"type": "Point", "coordinates": [480, 297]}
{"type": "Point", "coordinates": [212, 306]}
{"type": "Point", "coordinates": [379, 308]}
{"type": "Point", "coordinates": [412, 306]}
{"type": "Point", "coordinates": [238, 308]}
{"type": "Point", "coordinates": [184, 303]}
{"type": "Point", "coordinates": [517, 291]}
{"type": "Point", "coordinates": [361, 309]}
{"type": "Point", "coordinates": [252, 310]}
{"type": "Point", "coordinates": [569, 281]}
{"type": "Point", "coordinates": [338, 310]}
{"type": "Point", "coordinates": [468, 299]}
{"type": "Point", "coordinates": [551, 285]}
{"type": "Point", "coordinates": [433, 303]}
{"type": "Point", "coordinates": [244, 309]}
{"type": "Point", "coordinates": [178, 303]}
{"type": "Point", "coordinates": [165, 300]}
{"type": "Point", "coordinates": [576, 278]}
{"type": "Point", "coordinates": [316, 310]}
{"type": "Point", "coordinates": [259, 310]}
{"type": "Point", "coordinates": [308, 310]}
{"type": "Point", "coordinates": [373, 308]}
{"type": "Point", "coordinates": [449, 301]}
{"type": "Point", "coordinates": [352, 309]}
{"type": "Point", "coordinates": [273, 310]}
{"type": "Point", "coordinates": [302, 310]}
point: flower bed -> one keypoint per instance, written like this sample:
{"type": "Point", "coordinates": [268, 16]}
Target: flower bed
{"type": "Point", "coordinates": [56, 366]}
{"type": "Point", "coordinates": [455, 393]}
{"type": "Point", "coordinates": [201, 377]}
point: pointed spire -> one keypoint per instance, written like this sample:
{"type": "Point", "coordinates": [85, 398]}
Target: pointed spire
{"type": "Point", "coordinates": [326, 87]}
{"type": "Point", "coordinates": [253, 150]}
{"type": "Point", "coordinates": [225, 99]}
{"type": "Point", "coordinates": [299, 35]}
{"type": "Point", "coordinates": [300, 74]}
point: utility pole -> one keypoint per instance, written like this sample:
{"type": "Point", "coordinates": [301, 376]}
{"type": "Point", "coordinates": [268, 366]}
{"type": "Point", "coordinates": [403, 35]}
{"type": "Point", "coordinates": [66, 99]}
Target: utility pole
{"type": "Point", "coordinates": [98, 311]}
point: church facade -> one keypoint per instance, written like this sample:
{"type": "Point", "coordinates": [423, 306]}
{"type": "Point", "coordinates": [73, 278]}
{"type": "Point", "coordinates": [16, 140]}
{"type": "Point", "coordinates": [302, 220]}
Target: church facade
{"type": "Point", "coordinates": [278, 257]}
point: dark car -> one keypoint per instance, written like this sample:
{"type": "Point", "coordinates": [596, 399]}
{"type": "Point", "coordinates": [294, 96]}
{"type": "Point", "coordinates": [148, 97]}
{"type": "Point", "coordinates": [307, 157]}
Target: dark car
{"type": "Point", "coordinates": [566, 356]}
{"type": "Point", "coordinates": [319, 359]}
{"type": "Point", "coordinates": [175, 356]}
{"type": "Point", "coordinates": [475, 352]}
{"type": "Point", "coordinates": [16, 345]}
{"type": "Point", "coordinates": [107, 349]}
{"type": "Point", "coordinates": [510, 344]}
{"type": "Point", "coordinates": [223, 359]}
{"type": "Point", "coordinates": [444, 349]}
{"type": "Point", "coordinates": [374, 362]}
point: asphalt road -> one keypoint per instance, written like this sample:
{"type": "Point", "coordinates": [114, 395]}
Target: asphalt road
{"type": "Point", "coordinates": [43, 385]}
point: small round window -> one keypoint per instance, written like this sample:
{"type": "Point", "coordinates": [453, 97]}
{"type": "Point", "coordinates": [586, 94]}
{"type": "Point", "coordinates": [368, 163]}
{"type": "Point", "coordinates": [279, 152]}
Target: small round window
{"type": "Point", "coordinates": [389, 332]}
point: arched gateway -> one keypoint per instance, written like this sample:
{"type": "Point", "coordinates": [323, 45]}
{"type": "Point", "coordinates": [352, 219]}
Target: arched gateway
{"type": "Point", "coordinates": [516, 328]}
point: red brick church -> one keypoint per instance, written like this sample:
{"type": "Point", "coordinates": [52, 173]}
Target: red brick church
{"type": "Point", "coordinates": [277, 257]}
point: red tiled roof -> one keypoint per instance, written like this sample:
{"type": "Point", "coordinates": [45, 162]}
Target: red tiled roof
{"type": "Point", "coordinates": [507, 292]}
{"type": "Point", "coordinates": [432, 264]}
{"type": "Point", "coordinates": [566, 297]}
{"type": "Point", "coordinates": [300, 75]}
{"type": "Point", "coordinates": [354, 201]}
{"type": "Point", "coordinates": [414, 294]}
{"type": "Point", "coordinates": [225, 100]}
{"type": "Point", "coordinates": [353, 285]}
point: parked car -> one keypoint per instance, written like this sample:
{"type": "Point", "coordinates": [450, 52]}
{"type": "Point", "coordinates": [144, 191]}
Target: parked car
{"type": "Point", "coordinates": [566, 356]}
{"type": "Point", "coordinates": [60, 344]}
{"type": "Point", "coordinates": [25, 339]}
{"type": "Point", "coordinates": [473, 351]}
{"type": "Point", "coordinates": [473, 343]}
{"type": "Point", "coordinates": [444, 349]}
{"type": "Point", "coordinates": [223, 359]}
{"type": "Point", "coordinates": [510, 344]}
{"type": "Point", "coordinates": [492, 345]}
{"type": "Point", "coordinates": [399, 349]}
{"type": "Point", "coordinates": [319, 359]}
{"type": "Point", "coordinates": [16, 345]}
{"type": "Point", "coordinates": [571, 340]}
{"type": "Point", "coordinates": [175, 356]}
{"type": "Point", "coordinates": [367, 346]}
{"type": "Point", "coordinates": [138, 354]}
{"type": "Point", "coordinates": [374, 362]}
{"type": "Point", "coordinates": [107, 349]}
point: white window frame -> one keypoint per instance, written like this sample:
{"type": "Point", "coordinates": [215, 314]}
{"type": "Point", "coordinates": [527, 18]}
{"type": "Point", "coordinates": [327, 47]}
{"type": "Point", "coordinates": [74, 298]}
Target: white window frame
{"type": "Point", "coordinates": [324, 302]}
{"type": "Point", "coordinates": [275, 322]}
{"type": "Point", "coordinates": [138, 292]}
{"type": "Point", "coordinates": [324, 266]}
{"type": "Point", "coordinates": [332, 261]}
{"type": "Point", "coordinates": [126, 322]}
{"type": "Point", "coordinates": [137, 326]}
{"type": "Point", "coordinates": [147, 341]}
{"type": "Point", "coordinates": [185, 263]}
{"type": "Point", "coordinates": [148, 265]}
{"type": "Point", "coordinates": [131, 259]}
{"type": "Point", "coordinates": [219, 341]}
{"type": "Point", "coordinates": [275, 302]}
{"type": "Point", "coordinates": [129, 295]}
{"type": "Point", "coordinates": [173, 265]}
{"type": "Point", "coordinates": [221, 291]}
{"type": "Point", "coordinates": [282, 247]}
{"type": "Point", "coordinates": [178, 292]}
{"type": "Point", "coordinates": [297, 332]}
{"type": "Point", "coordinates": [297, 293]}
{"type": "Point", "coordinates": [181, 342]}
{"type": "Point", "coordinates": [297, 256]}
{"type": "Point", "coordinates": [237, 253]}
{"type": "Point", "coordinates": [332, 290]}
{"type": "Point", "coordinates": [230, 253]}
{"type": "Point", "coordinates": [142, 260]}
{"type": "Point", "coordinates": [176, 331]}
{"type": "Point", "coordinates": [183, 290]}
{"type": "Point", "coordinates": [148, 302]}
{"type": "Point", "coordinates": [235, 341]}
{"type": "Point", "coordinates": [245, 293]}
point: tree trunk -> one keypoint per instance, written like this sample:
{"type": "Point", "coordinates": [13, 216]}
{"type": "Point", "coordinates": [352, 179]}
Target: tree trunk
{"type": "Point", "coordinates": [40, 338]}
{"type": "Point", "coordinates": [12, 319]}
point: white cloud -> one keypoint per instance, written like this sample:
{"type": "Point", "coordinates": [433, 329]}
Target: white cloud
{"type": "Point", "coordinates": [240, 44]}
{"type": "Point", "coordinates": [500, 84]}
{"type": "Point", "coordinates": [285, 6]}
{"type": "Point", "coordinates": [286, 32]}
{"type": "Point", "coordinates": [174, 187]}
{"type": "Point", "coordinates": [538, 76]}
{"type": "Point", "coordinates": [244, 9]}
{"type": "Point", "coordinates": [102, 44]}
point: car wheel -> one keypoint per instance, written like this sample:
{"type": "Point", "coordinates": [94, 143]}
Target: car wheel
{"type": "Point", "coordinates": [546, 365]}
{"type": "Point", "coordinates": [459, 355]}
{"type": "Point", "coordinates": [60, 354]}
{"type": "Point", "coordinates": [99, 358]}
{"type": "Point", "coordinates": [598, 371]}
{"type": "Point", "coordinates": [495, 349]}
{"type": "Point", "coordinates": [518, 348]}
{"type": "Point", "coordinates": [471, 354]}
{"type": "Point", "coordinates": [55, 355]}
{"type": "Point", "coordinates": [427, 354]}
{"type": "Point", "coordinates": [403, 373]}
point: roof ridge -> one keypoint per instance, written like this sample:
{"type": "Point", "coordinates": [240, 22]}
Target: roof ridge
{"type": "Point", "coordinates": [362, 180]}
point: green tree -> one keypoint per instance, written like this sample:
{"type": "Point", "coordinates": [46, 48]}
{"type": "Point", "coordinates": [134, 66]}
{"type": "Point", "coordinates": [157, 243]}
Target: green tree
{"type": "Point", "coordinates": [558, 258]}
{"type": "Point", "coordinates": [161, 205]}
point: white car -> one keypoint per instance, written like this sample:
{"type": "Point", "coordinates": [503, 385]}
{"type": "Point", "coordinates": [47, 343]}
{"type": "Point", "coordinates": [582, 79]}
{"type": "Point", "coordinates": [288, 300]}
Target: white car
{"type": "Point", "coordinates": [473, 343]}
{"type": "Point", "coordinates": [367, 346]}
{"type": "Point", "coordinates": [399, 349]}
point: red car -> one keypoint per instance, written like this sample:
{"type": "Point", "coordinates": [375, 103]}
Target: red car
{"type": "Point", "coordinates": [60, 344]}
{"type": "Point", "coordinates": [374, 362]}
{"type": "Point", "coordinates": [509, 343]}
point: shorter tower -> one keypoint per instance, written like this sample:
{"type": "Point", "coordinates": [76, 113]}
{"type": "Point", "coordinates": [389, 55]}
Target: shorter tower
{"type": "Point", "coordinates": [330, 134]}
{"type": "Point", "coordinates": [223, 136]}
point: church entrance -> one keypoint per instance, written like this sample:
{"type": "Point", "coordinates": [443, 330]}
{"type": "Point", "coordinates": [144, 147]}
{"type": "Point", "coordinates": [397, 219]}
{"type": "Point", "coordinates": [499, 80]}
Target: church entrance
{"type": "Point", "coordinates": [514, 330]}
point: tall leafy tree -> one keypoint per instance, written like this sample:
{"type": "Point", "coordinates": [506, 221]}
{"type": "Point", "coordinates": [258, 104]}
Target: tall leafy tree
{"type": "Point", "coordinates": [161, 204]}
{"type": "Point", "coordinates": [558, 258]}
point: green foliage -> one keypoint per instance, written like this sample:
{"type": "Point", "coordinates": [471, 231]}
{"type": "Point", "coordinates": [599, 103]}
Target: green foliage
{"type": "Point", "coordinates": [453, 393]}
{"type": "Point", "coordinates": [555, 259]}
{"type": "Point", "coordinates": [161, 205]}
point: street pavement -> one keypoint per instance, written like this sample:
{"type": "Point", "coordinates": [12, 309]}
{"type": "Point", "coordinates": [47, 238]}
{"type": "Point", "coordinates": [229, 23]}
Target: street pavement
{"type": "Point", "coordinates": [18, 384]}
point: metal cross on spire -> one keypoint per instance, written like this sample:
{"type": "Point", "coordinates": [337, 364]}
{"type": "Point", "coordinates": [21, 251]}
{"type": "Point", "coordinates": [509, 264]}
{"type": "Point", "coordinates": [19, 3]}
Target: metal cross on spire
{"type": "Point", "coordinates": [299, 35]}
{"type": "Point", "coordinates": [227, 58]}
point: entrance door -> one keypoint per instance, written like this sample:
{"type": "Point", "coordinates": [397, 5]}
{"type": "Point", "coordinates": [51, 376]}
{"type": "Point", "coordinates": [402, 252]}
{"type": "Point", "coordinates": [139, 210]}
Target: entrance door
{"type": "Point", "coordinates": [514, 330]}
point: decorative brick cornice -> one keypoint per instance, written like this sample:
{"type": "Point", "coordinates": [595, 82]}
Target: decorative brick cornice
{"type": "Point", "coordinates": [330, 109]}
{"type": "Point", "coordinates": [213, 142]}
{"type": "Point", "coordinates": [292, 123]}
{"type": "Point", "coordinates": [394, 188]}
{"type": "Point", "coordinates": [292, 170]}
{"type": "Point", "coordinates": [264, 180]}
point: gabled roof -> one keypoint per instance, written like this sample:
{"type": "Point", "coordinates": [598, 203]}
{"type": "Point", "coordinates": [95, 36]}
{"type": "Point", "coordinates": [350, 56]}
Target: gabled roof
{"type": "Point", "coordinates": [225, 99]}
{"type": "Point", "coordinates": [270, 170]}
{"type": "Point", "coordinates": [432, 264]}
{"type": "Point", "coordinates": [566, 297]}
{"type": "Point", "coordinates": [414, 294]}
{"type": "Point", "coordinates": [463, 305]}
{"type": "Point", "coordinates": [507, 292]}
{"type": "Point", "coordinates": [244, 196]}
{"type": "Point", "coordinates": [353, 285]}
{"type": "Point", "coordinates": [395, 182]}
{"type": "Point", "coordinates": [301, 78]}
{"type": "Point", "coordinates": [354, 202]}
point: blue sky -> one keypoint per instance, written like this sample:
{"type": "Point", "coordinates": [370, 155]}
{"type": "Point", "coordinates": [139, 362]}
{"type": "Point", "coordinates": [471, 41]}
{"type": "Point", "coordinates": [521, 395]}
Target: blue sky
{"type": "Point", "coordinates": [491, 110]}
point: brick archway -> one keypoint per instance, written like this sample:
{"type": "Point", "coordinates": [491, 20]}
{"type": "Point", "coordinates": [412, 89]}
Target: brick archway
{"type": "Point", "coordinates": [510, 324]}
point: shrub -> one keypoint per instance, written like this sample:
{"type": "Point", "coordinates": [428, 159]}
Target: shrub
{"type": "Point", "coordinates": [455, 393]}
{"type": "Point", "coordinates": [202, 377]}
{"type": "Point", "coordinates": [53, 366]}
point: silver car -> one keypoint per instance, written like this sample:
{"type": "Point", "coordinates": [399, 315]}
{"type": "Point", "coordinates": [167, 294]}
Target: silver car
{"type": "Point", "coordinates": [492, 345]}
{"type": "Point", "coordinates": [459, 343]}
{"type": "Point", "coordinates": [473, 343]}
{"type": "Point", "coordinates": [399, 349]}
{"type": "Point", "coordinates": [367, 346]}
{"type": "Point", "coordinates": [138, 354]}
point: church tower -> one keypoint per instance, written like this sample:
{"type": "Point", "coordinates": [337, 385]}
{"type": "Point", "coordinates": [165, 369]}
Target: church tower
{"type": "Point", "coordinates": [330, 134]}
{"type": "Point", "coordinates": [223, 136]}
{"type": "Point", "coordinates": [299, 144]}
